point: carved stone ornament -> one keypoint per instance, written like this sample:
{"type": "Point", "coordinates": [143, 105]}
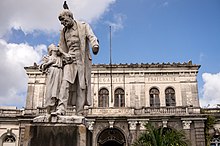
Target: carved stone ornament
{"type": "Point", "coordinates": [111, 123]}
{"type": "Point", "coordinates": [142, 124]}
{"type": "Point", "coordinates": [186, 124]}
{"type": "Point", "coordinates": [164, 123]}
{"type": "Point", "coordinates": [216, 129]}
{"type": "Point", "coordinates": [132, 125]}
{"type": "Point", "coordinates": [90, 125]}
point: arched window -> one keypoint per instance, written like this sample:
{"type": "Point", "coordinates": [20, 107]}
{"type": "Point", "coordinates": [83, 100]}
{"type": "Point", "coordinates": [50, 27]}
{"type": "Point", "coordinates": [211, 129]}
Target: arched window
{"type": "Point", "coordinates": [215, 141]}
{"type": "Point", "coordinates": [9, 140]}
{"type": "Point", "coordinates": [119, 98]}
{"type": "Point", "coordinates": [170, 97]}
{"type": "Point", "coordinates": [154, 97]}
{"type": "Point", "coordinates": [103, 97]}
{"type": "Point", "coordinates": [111, 137]}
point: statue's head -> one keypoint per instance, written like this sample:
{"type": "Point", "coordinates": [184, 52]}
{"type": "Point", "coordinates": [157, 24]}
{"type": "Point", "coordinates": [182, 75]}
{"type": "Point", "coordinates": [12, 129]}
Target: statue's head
{"type": "Point", "coordinates": [66, 18]}
{"type": "Point", "coordinates": [51, 48]}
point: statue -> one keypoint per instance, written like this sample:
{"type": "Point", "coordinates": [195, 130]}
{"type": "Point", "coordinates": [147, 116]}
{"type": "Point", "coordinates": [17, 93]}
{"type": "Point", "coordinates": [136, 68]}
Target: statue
{"type": "Point", "coordinates": [74, 43]}
{"type": "Point", "coordinates": [52, 66]}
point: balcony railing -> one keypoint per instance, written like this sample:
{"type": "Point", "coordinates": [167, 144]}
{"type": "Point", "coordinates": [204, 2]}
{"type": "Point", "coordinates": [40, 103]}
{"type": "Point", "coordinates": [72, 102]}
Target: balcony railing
{"type": "Point", "coordinates": [166, 110]}
{"type": "Point", "coordinates": [111, 111]}
{"type": "Point", "coordinates": [10, 112]}
{"type": "Point", "coordinates": [210, 110]}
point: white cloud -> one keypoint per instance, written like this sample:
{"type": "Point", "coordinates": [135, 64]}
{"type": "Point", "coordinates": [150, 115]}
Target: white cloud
{"type": "Point", "coordinates": [117, 23]}
{"type": "Point", "coordinates": [13, 79]}
{"type": "Point", "coordinates": [30, 16]}
{"type": "Point", "coordinates": [211, 90]}
{"type": "Point", "coordinates": [42, 14]}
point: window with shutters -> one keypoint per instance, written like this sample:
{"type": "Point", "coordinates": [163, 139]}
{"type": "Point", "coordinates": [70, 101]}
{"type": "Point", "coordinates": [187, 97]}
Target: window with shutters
{"type": "Point", "coordinates": [170, 97]}
{"type": "Point", "coordinates": [154, 97]}
{"type": "Point", "coordinates": [119, 98]}
{"type": "Point", "coordinates": [103, 98]}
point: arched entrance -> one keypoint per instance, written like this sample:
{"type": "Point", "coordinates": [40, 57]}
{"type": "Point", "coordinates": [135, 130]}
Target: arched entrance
{"type": "Point", "coordinates": [7, 139]}
{"type": "Point", "coordinates": [111, 137]}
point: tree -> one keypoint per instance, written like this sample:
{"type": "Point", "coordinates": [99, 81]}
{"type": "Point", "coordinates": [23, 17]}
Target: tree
{"type": "Point", "coordinates": [209, 125]}
{"type": "Point", "coordinates": [161, 137]}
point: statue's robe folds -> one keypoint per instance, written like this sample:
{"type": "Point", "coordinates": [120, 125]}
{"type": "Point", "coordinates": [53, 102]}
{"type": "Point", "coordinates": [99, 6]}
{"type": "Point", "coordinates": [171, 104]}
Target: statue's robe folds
{"type": "Point", "coordinates": [84, 66]}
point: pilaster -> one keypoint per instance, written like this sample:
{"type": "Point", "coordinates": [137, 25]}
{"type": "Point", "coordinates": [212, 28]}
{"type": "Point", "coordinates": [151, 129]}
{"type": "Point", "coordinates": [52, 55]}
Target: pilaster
{"type": "Point", "coordinates": [200, 133]}
{"type": "Point", "coordinates": [133, 129]}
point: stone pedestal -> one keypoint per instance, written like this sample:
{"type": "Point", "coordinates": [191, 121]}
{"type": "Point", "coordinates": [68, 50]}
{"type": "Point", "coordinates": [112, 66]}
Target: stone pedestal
{"type": "Point", "coordinates": [57, 134]}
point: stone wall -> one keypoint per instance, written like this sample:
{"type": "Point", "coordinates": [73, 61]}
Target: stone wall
{"type": "Point", "coordinates": [136, 80]}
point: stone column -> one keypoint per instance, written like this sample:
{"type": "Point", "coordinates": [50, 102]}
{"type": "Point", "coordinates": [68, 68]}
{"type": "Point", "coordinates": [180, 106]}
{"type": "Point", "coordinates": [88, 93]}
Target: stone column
{"type": "Point", "coordinates": [23, 136]}
{"type": "Point", "coordinates": [186, 128]}
{"type": "Point", "coordinates": [133, 130]}
{"type": "Point", "coordinates": [142, 128]}
{"type": "Point", "coordinates": [82, 135]}
{"type": "Point", "coordinates": [200, 133]}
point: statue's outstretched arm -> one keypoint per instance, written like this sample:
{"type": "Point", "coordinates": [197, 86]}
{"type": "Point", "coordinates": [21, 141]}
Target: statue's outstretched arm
{"type": "Point", "coordinates": [92, 39]}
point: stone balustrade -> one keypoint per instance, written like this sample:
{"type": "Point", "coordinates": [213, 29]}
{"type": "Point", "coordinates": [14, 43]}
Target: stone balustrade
{"type": "Point", "coordinates": [166, 110]}
{"type": "Point", "coordinates": [211, 110]}
{"type": "Point", "coordinates": [11, 112]}
{"type": "Point", "coordinates": [110, 111]}
{"type": "Point", "coordinates": [97, 111]}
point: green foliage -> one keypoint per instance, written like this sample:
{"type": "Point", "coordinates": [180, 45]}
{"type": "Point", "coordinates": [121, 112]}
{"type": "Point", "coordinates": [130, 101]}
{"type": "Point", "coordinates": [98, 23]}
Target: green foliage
{"type": "Point", "coordinates": [208, 125]}
{"type": "Point", "coordinates": [161, 137]}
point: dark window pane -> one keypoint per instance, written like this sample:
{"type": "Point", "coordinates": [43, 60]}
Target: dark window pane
{"type": "Point", "coordinates": [170, 97]}
{"type": "Point", "coordinates": [9, 139]}
{"type": "Point", "coordinates": [103, 98]}
{"type": "Point", "coordinates": [154, 97]}
{"type": "Point", "coordinates": [119, 98]}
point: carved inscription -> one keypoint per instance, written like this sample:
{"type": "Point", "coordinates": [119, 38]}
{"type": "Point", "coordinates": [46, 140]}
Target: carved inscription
{"type": "Point", "coordinates": [159, 79]}
{"type": "Point", "coordinates": [112, 111]}
{"type": "Point", "coordinates": [108, 80]}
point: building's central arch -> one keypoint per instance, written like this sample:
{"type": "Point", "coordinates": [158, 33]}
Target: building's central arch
{"type": "Point", "coordinates": [111, 137]}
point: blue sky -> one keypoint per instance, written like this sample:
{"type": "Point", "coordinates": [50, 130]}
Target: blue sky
{"type": "Point", "coordinates": [143, 31]}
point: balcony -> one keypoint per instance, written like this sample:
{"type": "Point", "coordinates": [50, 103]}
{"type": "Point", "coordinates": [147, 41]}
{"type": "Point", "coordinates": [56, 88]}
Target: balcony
{"type": "Point", "coordinates": [10, 112]}
{"type": "Point", "coordinates": [126, 111]}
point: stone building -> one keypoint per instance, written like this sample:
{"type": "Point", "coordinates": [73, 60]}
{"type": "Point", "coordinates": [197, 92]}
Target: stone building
{"type": "Point", "coordinates": [125, 97]}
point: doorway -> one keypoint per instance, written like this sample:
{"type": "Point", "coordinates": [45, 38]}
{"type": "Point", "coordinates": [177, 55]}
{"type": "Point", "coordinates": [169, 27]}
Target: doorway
{"type": "Point", "coordinates": [111, 143]}
{"type": "Point", "coordinates": [111, 137]}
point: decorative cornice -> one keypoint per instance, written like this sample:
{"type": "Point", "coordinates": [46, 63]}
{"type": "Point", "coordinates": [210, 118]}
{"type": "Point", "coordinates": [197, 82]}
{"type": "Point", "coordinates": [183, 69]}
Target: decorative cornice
{"type": "Point", "coordinates": [147, 65]}
{"type": "Point", "coordinates": [137, 65]}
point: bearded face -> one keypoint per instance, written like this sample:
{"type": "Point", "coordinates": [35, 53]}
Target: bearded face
{"type": "Point", "coordinates": [66, 21]}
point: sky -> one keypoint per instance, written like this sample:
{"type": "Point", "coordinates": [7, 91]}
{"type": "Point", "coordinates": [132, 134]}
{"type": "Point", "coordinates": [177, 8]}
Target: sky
{"type": "Point", "coordinates": [143, 31]}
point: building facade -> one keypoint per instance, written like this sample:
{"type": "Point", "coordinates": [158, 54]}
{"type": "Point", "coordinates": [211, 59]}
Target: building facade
{"type": "Point", "coordinates": [124, 98]}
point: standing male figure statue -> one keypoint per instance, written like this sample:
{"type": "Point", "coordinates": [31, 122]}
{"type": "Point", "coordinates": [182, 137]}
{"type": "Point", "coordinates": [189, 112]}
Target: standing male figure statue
{"type": "Point", "coordinates": [74, 43]}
